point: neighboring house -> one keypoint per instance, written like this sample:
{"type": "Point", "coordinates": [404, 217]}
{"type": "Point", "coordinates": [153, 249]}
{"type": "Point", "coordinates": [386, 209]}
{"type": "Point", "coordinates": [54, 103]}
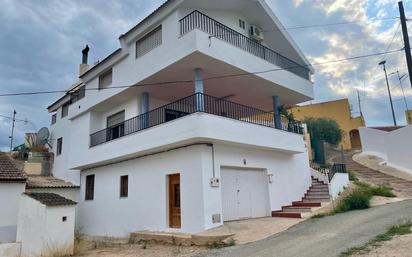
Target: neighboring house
{"type": "Point", "coordinates": [409, 117]}
{"type": "Point", "coordinates": [339, 111]}
{"type": "Point", "coordinates": [166, 134]}
{"type": "Point", "coordinates": [12, 185]}
{"type": "Point", "coordinates": [389, 143]}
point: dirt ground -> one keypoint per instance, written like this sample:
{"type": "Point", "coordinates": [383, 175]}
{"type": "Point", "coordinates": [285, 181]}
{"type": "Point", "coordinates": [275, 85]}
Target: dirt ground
{"type": "Point", "coordinates": [136, 250]}
{"type": "Point", "coordinates": [400, 246]}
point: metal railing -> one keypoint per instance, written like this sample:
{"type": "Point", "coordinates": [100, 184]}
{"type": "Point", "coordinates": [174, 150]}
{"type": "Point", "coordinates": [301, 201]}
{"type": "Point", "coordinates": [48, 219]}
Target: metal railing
{"type": "Point", "coordinates": [186, 106]}
{"type": "Point", "coordinates": [198, 20]}
{"type": "Point", "coordinates": [329, 170]}
{"type": "Point", "coordinates": [336, 168]}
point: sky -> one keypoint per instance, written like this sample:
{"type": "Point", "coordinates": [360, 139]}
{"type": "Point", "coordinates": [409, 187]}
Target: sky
{"type": "Point", "coordinates": [41, 43]}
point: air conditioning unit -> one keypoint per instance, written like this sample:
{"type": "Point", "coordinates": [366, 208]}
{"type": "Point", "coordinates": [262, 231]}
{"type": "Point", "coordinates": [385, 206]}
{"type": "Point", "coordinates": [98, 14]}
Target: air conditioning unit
{"type": "Point", "coordinates": [256, 33]}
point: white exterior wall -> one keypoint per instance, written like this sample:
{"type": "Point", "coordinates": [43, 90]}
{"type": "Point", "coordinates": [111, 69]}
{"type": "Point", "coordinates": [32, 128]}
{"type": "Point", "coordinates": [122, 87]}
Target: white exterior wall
{"type": "Point", "coordinates": [145, 208]}
{"type": "Point", "coordinates": [339, 182]}
{"type": "Point", "coordinates": [9, 200]}
{"type": "Point", "coordinates": [393, 147]}
{"type": "Point", "coordinates": [41, 230]}
{"type": "Point", "coordinates": [373, 142]}
{"type": "Point", "coordinates": [62, 129]}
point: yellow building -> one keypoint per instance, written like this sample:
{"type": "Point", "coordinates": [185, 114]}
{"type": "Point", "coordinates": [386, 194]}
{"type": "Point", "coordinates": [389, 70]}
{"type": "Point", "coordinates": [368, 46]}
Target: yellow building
{"type": "Point", "coordinates": [339, 111]}
{"type": "Point", "coordinates": [409, 117]}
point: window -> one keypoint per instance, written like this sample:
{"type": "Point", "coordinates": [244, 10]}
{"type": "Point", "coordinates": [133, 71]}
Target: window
{"type": "Point", "coordinates": [89, 194]}
{"type": "Point", "coordinates": [78, 94]}
{"type": "Point", "coordinates": [124, 186]}
{"type": "Point", "coordinates": [115, 125]}
{"type": "Point", "coordinates": [149, 42]}
{"type": "Point", "coordinates": [53, 119]}
{"type": "Point", "coordinates": [105, 80]}
{"type": "Point", "coordinates": [59, 146]}
{"type": "Point", "coordinates": [65, 110]}
{"type": "Point", "coordinates": [242, 24]}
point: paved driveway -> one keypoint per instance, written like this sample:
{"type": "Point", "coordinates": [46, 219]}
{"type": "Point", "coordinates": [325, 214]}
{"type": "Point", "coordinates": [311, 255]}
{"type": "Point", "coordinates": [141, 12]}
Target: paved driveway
{"type": "Point", "coordinates": [327, 236]}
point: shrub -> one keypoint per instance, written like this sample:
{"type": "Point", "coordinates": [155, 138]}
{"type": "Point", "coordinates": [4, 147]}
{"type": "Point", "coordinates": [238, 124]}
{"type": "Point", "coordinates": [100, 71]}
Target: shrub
{"type": "Point", "coordinates": [357, 200]}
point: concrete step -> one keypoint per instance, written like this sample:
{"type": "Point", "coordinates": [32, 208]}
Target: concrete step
{"type": "Point", "coordinates": [282, 214]}
{"type": "Point", "coordinates": [319, 190]}
{"type": "Point", "coordinates": [317, 193]}
{"type": "Point", "coordinates": [315, 200]}
{"type": "Point", "coordinates": [296, 209]}
{"type": "Point", "coordinates": [306, 204]}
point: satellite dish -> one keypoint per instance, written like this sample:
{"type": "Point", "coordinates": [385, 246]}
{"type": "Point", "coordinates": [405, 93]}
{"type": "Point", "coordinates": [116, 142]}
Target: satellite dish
{"type": "Point", "coordinates": [42, 137]}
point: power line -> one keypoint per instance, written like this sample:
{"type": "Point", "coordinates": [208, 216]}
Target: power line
{"type": "Point", "coordinates": [10, 118]}
{"type": "Point", "coordinates": [387, 49]}
{"type": "Point", "coordinates": [210, 78]}
{"type": "Point", "coordinates": [334, 24]}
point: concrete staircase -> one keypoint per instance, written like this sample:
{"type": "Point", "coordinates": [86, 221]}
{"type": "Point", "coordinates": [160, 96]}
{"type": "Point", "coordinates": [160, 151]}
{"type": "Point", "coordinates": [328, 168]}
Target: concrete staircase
{"type": "Point", "coordinates": [314, 197]}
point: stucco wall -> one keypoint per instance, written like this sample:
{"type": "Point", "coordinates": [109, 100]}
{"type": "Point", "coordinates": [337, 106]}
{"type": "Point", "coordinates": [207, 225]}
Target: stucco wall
{"type": "Point", "coordinates": [393, 147]}
{"type": "Point", "coordinates": [337, 110]}
{"type": "Point", "coordinates": [146, 206]}
{"type": "Point", "coordinates": [339, 182]}
{"type": "Point", "coordinates": [41, 230]}
{"type": "Point", "coordinates": [9, 201]}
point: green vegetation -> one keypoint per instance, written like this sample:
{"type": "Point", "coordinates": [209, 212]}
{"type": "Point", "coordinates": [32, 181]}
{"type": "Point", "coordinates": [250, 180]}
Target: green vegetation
{"type": "Point", "coordinates": [352, 176]}
{"type": "Point", "coordinates": [359, 199]}
{"type": "Point", "coordinates": [396, 230]}
{"type": "Point", "coordinates": [324, 129]}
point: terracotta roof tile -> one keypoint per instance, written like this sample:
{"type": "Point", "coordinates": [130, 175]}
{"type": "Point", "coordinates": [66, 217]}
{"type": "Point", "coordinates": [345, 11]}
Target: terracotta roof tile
{"type": "Point", "coordinates": [8, 171]}
{"type": "Point", "coordinates": [50, 199]}
{"type": "Point", "coordinates": [47, 182]}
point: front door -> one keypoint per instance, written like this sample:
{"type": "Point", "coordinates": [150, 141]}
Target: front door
{"type": "Point", "coordinates": [174, 201]}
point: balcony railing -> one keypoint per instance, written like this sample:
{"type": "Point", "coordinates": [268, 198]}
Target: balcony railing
{"type": "Point", "coordinates": [198, 20]}
{"type": "Point", "coordinates": [188, 105]}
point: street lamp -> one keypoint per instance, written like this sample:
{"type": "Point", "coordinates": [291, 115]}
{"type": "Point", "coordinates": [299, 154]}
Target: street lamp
{"type": "Point", "coordinates": [383, 63]}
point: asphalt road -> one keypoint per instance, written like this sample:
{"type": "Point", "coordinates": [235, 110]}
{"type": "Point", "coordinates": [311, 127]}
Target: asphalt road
{"type": "Point", "coordinates": [324, 237]}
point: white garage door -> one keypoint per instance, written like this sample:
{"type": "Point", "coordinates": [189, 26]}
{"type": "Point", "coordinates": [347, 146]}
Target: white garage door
{"type": "Point", "coordinates": [245, 194]}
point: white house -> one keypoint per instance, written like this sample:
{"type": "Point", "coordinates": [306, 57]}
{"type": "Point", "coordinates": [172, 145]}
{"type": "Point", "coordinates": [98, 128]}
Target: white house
{"type": "Point", "coordinates": [12, 185]}
{"type": "Point", "coordinates": [175, 130]}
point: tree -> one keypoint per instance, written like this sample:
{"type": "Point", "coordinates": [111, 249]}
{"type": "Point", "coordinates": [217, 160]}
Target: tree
{"type": "Point", "coordinates": [324, 129]}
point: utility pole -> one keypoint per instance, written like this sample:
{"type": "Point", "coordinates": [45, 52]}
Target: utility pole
{"type": "Point", "coordinates": [406, 40]}
{"type": "Point", "coordinates": [12, 130]}
{"type": "Point", "coordinates": [383, 63]}
{"type": "Point", "coordinates": [359, 103]}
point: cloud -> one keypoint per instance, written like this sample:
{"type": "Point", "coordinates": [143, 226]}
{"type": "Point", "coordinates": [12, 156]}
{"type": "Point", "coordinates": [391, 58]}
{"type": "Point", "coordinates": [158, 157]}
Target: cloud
{"type": "Point", "coordinates": [41, 41]}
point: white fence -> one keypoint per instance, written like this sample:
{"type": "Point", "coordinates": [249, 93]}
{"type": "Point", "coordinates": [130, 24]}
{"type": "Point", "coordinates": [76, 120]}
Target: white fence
{"type": "Point", "coordinates": [394, 147]}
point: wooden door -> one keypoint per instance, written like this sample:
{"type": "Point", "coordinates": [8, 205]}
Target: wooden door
{"type": "Point", "coordinates": [174, 201]}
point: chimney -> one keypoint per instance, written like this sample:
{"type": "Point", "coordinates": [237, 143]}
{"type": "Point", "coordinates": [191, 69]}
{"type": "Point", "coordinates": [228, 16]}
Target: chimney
{"type": "Point", "coordinates": [84, 66]}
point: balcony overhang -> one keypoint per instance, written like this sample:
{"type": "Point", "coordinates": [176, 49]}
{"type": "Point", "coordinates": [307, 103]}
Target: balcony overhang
{"type": "Point", "coordinates": [191, 129]}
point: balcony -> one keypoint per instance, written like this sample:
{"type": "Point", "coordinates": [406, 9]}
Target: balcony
{"type": "Point", "coordinates": [197, 103]}
{"type": "Point", "coordinates": [198, 20]}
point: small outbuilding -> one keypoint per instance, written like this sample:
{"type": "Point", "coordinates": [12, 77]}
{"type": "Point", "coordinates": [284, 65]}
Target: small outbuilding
{"type": "Point", "coordinates": [46, 225]}
{"type": "Point", "coordinates": [12, 185]}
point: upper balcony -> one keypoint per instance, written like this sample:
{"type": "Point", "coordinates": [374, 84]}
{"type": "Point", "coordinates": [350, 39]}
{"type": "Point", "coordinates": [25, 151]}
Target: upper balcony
{"type": "Point", "coordinates": [192, 104]}
{"type": "Point", "coordinates": [198, 20]}
{"type": "Point", "coordinates": [198, 118]}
